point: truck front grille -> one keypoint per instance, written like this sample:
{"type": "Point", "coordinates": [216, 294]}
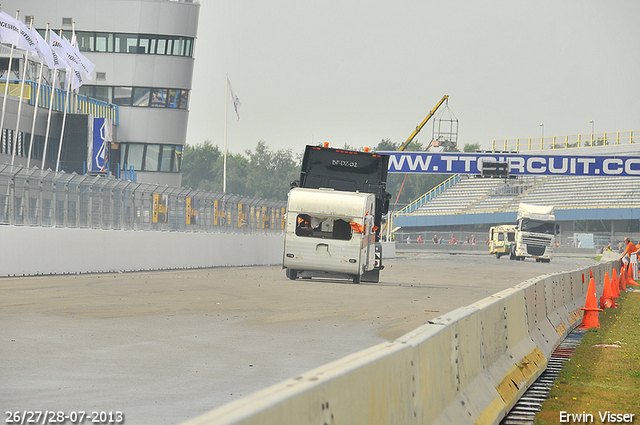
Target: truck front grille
{"type": "Point", "coordinates": [536, 244]}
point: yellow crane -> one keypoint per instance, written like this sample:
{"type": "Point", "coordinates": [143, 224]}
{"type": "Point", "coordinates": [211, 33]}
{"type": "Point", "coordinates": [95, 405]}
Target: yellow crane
{"type": "Point", "coordinates": [418, 128]}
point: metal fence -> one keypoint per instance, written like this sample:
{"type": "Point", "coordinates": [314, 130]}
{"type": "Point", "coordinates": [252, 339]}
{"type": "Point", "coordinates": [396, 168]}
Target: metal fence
{"type": "Point", "coordinates": [33, 197]}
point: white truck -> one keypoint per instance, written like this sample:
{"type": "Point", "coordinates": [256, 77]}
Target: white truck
{"type": "Point", "coordinates": [334, 215]}
{"type": "Point", "coordinates": [535, 233]}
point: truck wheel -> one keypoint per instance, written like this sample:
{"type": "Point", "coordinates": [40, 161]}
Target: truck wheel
{"type": "Point", "coordinates": [356, 278]}
{"type": "Point", "coordinates": [498, 255]}
{"type": "Point", "coordinates": [292, 274]}
{"type": "Point", "coordinates": [512, 253]}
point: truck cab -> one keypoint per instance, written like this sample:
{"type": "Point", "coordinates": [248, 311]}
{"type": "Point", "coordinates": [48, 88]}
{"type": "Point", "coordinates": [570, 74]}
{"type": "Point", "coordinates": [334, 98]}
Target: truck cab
{"type": "Point", "coordinates": [536, 229]}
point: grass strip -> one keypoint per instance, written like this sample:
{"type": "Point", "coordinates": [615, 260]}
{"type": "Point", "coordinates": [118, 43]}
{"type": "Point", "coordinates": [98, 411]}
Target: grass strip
{"type": "Point", "coordinates": [602, 378]}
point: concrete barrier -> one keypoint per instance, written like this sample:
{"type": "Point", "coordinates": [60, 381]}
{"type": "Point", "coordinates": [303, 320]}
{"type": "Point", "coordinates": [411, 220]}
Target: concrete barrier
{"type": "Point", "coordinates": [42, 250]}
{"type": "Point", "coordinates": [468, 366]}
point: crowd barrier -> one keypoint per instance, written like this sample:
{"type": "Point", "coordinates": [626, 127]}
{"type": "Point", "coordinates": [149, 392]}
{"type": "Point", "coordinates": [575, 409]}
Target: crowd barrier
{"type": "Point", "coordinates": [44, 198]}
{"type": "Point", "coordinates": [469, 366]}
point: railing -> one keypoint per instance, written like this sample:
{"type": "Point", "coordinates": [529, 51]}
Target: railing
{"type": "Point", "coordinates": [430, 195]}
{"type": "Point", "coordinates": [33, 197]}
{"type": "Point", "coordinates": [77, 103]}
{"type": "Point", "coordinates": [571, 141]}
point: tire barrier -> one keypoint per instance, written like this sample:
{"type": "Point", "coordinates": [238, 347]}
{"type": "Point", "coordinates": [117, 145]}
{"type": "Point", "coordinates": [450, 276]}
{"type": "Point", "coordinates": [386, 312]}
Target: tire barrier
{"type": "Point", "coordinates": [469, 366]}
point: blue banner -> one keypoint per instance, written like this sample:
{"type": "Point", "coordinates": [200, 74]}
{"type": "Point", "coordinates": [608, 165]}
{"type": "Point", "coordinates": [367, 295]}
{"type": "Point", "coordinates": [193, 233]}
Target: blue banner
{"type": "Point", "coordinates": [519, 164]}
{"type": "Point", "coordinates": [101, 136]}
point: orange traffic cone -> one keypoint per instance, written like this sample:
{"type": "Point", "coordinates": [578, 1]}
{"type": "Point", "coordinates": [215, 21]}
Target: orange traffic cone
{"type": "Point", "coordinates": [623, 279]}
{"type": "Point", "coordinates": [590, 317]}
{"type": "Point", "coordinates": [615, 284]}
{"type": "Point", "coordinates": [630, 280]}
{"type": "Point", "coordinates": [607, 300]}
{"type": "Point", "coordinates": [591, 274]}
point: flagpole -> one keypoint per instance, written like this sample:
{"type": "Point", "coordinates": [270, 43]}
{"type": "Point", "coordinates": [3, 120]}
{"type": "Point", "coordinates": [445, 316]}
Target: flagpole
{"type": "Point", "coordinates": [224, 155]}
{"type": "Point", "coordinates": [46, 134]}
{"type": "Point", "coordinates": [35, 106]}
{"type": "Point", "coordinates": [24, 75]}
{"type": "Point", "coordinates": [64, 115]}
{"type": "Point", "coordinates": [6, 91]}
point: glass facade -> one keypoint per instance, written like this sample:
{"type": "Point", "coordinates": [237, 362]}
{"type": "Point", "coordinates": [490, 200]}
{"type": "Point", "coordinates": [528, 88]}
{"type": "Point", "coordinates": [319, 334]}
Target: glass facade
{"type": "Point", "coordinates": [139, 96]}
{"type": "Point", "coordinates": [141, 44]}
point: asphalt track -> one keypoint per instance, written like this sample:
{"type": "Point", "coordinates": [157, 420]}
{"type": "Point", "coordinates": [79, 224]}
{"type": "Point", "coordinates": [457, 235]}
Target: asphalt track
{"type": "Point", "coordinates": [163, 347]}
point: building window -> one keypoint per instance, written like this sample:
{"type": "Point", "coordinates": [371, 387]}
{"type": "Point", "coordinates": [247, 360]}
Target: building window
{"type": "Point", "coordinates": [141, 96]}
{"type": "Point", "coordinates": [103, 44]}
{"type": "Point", "coordinates": [122, 96]}
{"type": "Point", "coordinates": [134, 155]}
{"type": "Point", "coordinates": [144, 44]}
{"type": "Point", "coordinates": [176, 166]}
{"type": "Point", "coordinates": [159, 98]}
{"type": "Point", "coordinates": [138, 96]}
{"type": "Point", "coordinates": [151, 157]}
{"type": "Point", "coordinates": [126, 43]}
{"type": "Point", "coordinates": [166, 156]}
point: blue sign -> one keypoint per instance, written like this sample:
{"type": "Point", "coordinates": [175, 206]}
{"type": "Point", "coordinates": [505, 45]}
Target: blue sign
{"type": "Point", "coordinates": [519, 164]}
{"type": "Point", "coordinates": [101, 136]}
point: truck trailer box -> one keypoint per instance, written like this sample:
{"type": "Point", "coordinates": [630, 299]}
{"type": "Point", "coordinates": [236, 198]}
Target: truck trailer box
{"type": "Point", "coordinates": [329, 231]}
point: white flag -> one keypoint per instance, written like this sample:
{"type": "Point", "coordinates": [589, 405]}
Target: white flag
{"type": "Point", "coordinates": [234, 99]}
{"type": "Point", "coordinates": [87, 65]}
{"type": "Point", "coordinates": [12, 31]}
{"type": "Point", "coordinates": [8, 29]}
{"type": "Point", "coordinates": [76, 80]}
{"type": "Point", "coordinates": [47, 54]}
{"type": "Point", "coordinates": [64, 50]}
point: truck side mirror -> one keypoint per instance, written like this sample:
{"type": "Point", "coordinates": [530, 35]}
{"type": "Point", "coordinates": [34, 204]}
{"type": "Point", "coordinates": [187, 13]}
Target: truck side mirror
{"type": "Point", "coordinates": [295, 183]}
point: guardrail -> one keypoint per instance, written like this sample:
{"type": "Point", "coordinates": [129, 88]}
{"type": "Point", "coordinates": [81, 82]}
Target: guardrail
{"type": "Point", "coordinates": [33, 197]}
{"type": "Point", "coordinates": [78, 103]}
{"type": "Point", "coordinates": [469, 366]}
{"type": "Point", "coordinates": [569, 141]}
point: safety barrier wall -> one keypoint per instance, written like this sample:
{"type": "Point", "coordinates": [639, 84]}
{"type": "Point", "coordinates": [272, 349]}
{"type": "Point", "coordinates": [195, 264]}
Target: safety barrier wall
{"type": "Point", "coordinates": [48, 250]}
{"type": "Point", "coordinates": [468, 366]}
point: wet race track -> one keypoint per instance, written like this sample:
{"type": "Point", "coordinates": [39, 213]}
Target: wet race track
{"type": "Point", "coordinates": [163, 347]}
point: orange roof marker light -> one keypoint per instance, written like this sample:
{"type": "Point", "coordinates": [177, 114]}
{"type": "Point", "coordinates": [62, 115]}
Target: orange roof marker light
{"type": "Point", "coordinates": [366, 149]}
{"type": "Point", "coordinates": [326, 144]}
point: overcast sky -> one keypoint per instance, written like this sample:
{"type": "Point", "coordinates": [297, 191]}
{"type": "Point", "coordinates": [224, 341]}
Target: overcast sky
{"type": "Point", "coordinates": [357, 72]}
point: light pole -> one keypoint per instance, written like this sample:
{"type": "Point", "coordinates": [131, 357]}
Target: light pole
{"type": "Point", "coordinates": [591, 121]}
{"type": "Point", "coordinates": [542, 125]}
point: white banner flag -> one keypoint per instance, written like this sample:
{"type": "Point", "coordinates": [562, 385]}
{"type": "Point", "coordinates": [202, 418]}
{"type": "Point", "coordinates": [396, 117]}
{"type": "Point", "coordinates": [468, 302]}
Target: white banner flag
{"type": "Point", "coordinates": [76, 80]}
{"type": "Point", "coordinates": [64, 50]}
{"type": "Point", "coordinates": [87, 65]}
{"type": "Point", "coordinates": [46, 53]}
{"type": "Point", "coordinates": [234, 99]}
{"type": "Point", "coordinates": [12, 31]}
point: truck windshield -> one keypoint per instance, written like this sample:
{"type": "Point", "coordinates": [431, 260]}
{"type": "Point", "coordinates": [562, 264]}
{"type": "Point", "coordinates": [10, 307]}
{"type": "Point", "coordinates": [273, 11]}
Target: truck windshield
{"type": "Point", "coordinates": [323, 227]}
{"type": "Point", "coordinates": [536, 226]}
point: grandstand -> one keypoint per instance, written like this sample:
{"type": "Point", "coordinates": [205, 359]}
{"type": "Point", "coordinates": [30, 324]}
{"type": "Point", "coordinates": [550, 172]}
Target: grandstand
{"type": "Point", "coordinates": [471, 203]}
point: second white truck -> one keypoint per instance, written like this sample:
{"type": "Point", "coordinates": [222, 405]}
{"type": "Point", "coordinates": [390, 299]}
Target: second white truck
{"type": "Point", "coordinates": [535, 233]}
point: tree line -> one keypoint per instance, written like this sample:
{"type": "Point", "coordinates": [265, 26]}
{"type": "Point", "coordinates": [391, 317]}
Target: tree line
{"type": "Point", "coordinates": [267, 174]}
